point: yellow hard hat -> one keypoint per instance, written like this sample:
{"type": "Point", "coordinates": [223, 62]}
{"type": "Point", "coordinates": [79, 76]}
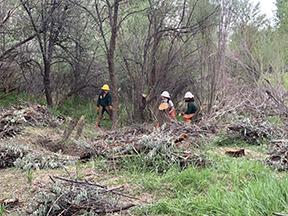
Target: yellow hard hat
{"type": "Point", "coordinates": [105, 87]}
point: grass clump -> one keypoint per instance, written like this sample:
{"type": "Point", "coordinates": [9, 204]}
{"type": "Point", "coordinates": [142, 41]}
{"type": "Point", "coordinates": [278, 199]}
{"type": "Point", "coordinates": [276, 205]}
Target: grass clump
{"type": "Point", "coordinates": [225, 140]}
{"type": "Point", "coordinates": [2, 210]}
{"type": "Point", "coordinates": [275, 120]}
{"type": "Point", "coordinates": [141, 163]}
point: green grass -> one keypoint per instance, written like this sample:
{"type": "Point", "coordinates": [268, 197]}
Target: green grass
{"type": "Point", "coordinates": [2, 210]}
{"type": "Point", "coordinates": [76, 107]}
{"type": "Point", "coordinates": [224, 140]}
{"type": "Point", "coordinates": [10, 99]}
{"type": "Point", "coordinates": [275, 120]}
{"type": "Point", "coordinates": [230, 187]}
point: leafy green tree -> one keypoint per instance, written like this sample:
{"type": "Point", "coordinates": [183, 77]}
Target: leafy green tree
{"type": "Point", "coordinates": [282, 14]}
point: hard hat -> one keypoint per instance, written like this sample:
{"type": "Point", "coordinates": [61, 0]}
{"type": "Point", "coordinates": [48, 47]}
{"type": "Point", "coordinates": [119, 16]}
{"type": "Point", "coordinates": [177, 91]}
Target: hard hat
{"type": "Point", "coordinates": [163, 106]}
{"type": "Point", "coordinates": [105, 87]}
{"type": "Point", "coordinates": [165, 94]}
{"type": "Point", "coordinates": [188, 95]}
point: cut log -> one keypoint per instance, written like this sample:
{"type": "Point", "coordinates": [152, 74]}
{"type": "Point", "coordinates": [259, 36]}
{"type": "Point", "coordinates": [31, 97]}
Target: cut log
{"type": "Point", "coordinates": [235, 152]}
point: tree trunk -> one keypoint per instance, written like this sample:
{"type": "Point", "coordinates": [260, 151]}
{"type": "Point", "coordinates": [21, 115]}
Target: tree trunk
{"type": "Point", "coordinates": [111, 64]}
{"type": "Point", "coordinates": [47, 85]}
{"type": "Point", "coordinates": [113, 79]}
{"type": "Point", "coordinates": [139, 106]}
{"type": "Point", "coordinates": [218, 78]}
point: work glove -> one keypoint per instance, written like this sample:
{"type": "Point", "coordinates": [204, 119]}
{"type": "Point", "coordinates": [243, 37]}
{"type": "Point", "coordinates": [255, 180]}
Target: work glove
{"type": "Point", "coordinates": [110, 107]}
{"type": "Point", "coordinates": [97, 109]}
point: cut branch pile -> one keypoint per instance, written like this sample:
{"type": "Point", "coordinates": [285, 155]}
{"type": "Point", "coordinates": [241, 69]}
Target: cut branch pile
{"type": "Point", "coordinates": [248, 113]}
{"type": "Point", "coordinates": [42, 161]}
{"type": "Point", "coordinates": [135, 138]}
{"type": "Point", "coordinates": [9, 154]}
{"type": "Point", "coordinates": [278, 156]}
{"type": "Point", "coordinates": [72, 197]}
{"type": "Point", "coordinates": [252, 131]}
{"type": "Point", "coordinates": [14, 119]}
{"type": "Point", "coordinates": [23, 157]}
{"type": "Point", "coordinates": [174, 143]}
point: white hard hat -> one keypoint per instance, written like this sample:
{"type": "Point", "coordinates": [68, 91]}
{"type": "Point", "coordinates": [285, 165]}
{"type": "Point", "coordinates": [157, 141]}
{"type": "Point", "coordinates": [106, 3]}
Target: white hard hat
{"type": "Point", "coordinates": [188, 95]}
{"type": "Point", "coordinates": [165, 94]}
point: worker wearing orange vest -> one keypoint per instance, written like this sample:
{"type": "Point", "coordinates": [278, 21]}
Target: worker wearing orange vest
{"type": "Point", "coordinates": [167, 105]}
{"type": "Point", "coordinates": [191, 107]}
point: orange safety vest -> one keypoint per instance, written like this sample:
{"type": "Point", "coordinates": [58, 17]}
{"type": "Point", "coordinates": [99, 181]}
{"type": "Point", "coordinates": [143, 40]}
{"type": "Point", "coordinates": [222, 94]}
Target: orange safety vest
{"type": "Point", "coordinates": [187, 118]}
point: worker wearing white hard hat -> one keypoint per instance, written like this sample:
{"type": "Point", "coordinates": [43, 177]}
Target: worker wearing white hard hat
{"type": "Point", "coordinates": [167, 104]}
{"type": "Point", "coordinates": [191, 107]}
{"type": "Point", "coordinates": [188, 95]}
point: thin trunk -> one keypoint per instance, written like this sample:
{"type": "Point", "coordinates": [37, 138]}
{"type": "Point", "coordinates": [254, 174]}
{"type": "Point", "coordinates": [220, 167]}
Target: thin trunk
{"type": "Point", "coordinates": [111, 64]}
{"type": "Point", "coordinates": [218, 78]}
{"type": "Point", "coordinates": [47, 84]}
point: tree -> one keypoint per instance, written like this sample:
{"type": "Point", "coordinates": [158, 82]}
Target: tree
{"type": "Point", "coordinates": [249, 31]}
{"type": "Point", "coordinates": [108, 17]}
{"type": "Point", "coordinates": [160, 51]}
{"type": "Point", "coordinates": [282, 14]}
{"type": "Point", "coordinates": [47, 20]}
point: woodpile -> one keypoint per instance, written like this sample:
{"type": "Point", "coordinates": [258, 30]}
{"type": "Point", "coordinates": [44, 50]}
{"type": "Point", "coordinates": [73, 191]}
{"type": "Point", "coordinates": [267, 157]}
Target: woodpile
{"type": "Point", "coordinates": [235, 152]}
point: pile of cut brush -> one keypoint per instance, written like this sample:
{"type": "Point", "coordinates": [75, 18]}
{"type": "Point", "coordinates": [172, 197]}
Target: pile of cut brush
{"type": "Point", "coordinates": [9, 154]}
{"type": "Point", "coordinates": [23, 157]}
{"type": "Point", "coordinates": [13, 120]}
{"type": "Point", "coordinates": [73, 197]}
{"type": "Point", "coordinates": [253, 130]}
{"type": "Point", "coordinates": [173, 143]}
{"type": "Point", "coordinates": [278, 156]}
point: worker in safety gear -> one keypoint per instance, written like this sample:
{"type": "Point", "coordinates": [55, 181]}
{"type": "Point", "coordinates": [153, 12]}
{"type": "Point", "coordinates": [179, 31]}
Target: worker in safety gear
{"type": "Point", "coordinates": [191, 107]}
{"type": "Point", "coordinates": [104, 103]}
{"type": "Point", "coordinates": [167, 105]}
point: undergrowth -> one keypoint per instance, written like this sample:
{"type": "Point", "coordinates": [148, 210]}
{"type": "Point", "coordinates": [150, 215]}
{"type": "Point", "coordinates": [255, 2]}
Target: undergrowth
{"type": "Point", "coordinates": [73, 107]}
{"type": "Point", "coordinates": [13, 98]}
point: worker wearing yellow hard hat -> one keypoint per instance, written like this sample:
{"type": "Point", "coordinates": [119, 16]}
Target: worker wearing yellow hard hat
{"type": "Point", "coordinates": [104, 104]}
{"type": "Point", "coordinates": [105, 87]}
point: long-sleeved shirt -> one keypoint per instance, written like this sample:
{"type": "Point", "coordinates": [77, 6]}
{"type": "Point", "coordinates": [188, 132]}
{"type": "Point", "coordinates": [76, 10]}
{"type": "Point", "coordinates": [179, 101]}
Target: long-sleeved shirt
{"type": "Point", "coordinates": [104, 100]}
{"type": "Point", "coordinates": [191, 108]}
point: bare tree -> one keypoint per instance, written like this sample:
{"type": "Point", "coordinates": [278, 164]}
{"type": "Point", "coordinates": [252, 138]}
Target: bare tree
{"type": "Point", "coordinates": [167, 56]}
{"type": "Point", "coordinates": [47, 21]}
{"type": "Point", "coordinates": [218, 76]}
{"type": "Point", "coordinates": [109, 17]}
